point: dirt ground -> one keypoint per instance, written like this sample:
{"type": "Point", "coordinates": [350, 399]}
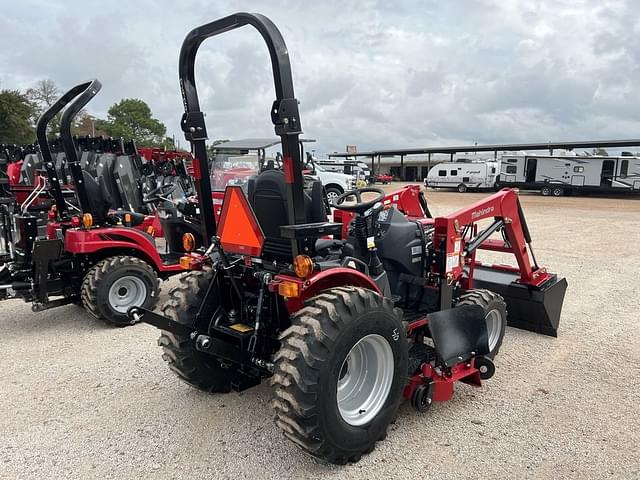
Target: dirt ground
{"type": "Point", "coordinates": [79, 399]}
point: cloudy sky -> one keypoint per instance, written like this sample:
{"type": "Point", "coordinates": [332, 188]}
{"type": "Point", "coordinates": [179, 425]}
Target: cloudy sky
{"type": "Point", "coordinates": [373, 74]}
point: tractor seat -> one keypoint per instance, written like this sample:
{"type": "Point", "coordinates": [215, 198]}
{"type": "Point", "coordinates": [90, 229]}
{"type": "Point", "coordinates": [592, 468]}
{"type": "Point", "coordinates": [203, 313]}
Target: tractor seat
{"type": "Point", "coordinates": [117, 217]}
{"type": "Point", "coordinates": [107, 182]}
{"type": "Point", "coordinates": [98, 204]}
{"type": "Point", "coordinates": [268, 197]}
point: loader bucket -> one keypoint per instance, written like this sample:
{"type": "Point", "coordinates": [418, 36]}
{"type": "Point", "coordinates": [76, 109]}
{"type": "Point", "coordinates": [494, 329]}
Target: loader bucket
{"type": "Point", "coordinates": [536, 309]}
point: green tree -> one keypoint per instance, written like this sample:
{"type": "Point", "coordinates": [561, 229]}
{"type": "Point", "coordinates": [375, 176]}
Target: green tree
{"type": "Point", "coordinates": [87, 125]}
{"type": "Point", "coordinates": [16, 118]}
{"type": "Point", "coordinates": [131, 119]}
{"type": "Point", "coordinates": [211, 149]}
{"type": "Point", "coordinates": [44, 94]}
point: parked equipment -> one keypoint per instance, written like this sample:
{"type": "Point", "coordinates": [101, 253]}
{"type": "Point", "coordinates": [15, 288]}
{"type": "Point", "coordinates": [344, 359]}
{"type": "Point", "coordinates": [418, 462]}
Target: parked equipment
{"type": "Point", "coordinates": [563, 175]}
{"type": "Point", "coordinates": [463, 176]}
{"type": "Point", "coordinates": [345, 327]}
{"type": "Point", "coordinates": [89, 254]}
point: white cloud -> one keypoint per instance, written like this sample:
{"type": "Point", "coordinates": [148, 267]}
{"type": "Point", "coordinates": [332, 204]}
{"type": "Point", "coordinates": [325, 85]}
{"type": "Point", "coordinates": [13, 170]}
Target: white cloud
{"type": "Point", "coordinates": [376, 74]}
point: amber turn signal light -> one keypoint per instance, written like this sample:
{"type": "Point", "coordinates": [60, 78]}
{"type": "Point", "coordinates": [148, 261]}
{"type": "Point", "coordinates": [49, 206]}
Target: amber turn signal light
{"type": "Point", "coordinates": [303, 266]}
{"type": "Point", "coordinates": [186, 262]}
{"type": "Point", "coordinates": [87, 220]}
{"type": "Point", "coordinates": [188, 242]}
{"type": "Point", "coordinates": [289, 289]}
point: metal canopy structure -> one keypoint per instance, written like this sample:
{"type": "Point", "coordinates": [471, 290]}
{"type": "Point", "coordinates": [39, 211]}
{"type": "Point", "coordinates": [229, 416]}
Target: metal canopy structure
{"type": "Point", "coordinates": [495, 148]}
{"type": "Point", "coordinates": [253, 143]}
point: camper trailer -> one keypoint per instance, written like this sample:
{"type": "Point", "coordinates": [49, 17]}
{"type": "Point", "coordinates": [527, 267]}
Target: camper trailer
{"type": "Point", "coordinates": [476, 175]}
{"type": "Point", "coordinates": [563, 175]}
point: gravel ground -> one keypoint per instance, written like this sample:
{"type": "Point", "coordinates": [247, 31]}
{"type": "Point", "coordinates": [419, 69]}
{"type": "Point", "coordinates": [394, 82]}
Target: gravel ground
{"type": "Point", "coordinates": [82, 400]}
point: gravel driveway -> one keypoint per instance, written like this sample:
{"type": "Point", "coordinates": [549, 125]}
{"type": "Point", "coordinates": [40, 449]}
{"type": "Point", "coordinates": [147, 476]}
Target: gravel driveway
{"type": "Point", "coordinates": [82, 400]}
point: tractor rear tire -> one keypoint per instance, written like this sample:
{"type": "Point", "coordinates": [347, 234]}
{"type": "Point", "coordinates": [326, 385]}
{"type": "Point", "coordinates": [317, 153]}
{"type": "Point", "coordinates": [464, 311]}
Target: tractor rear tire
{"type": "Point", "coordinates": [115, 284]}
{"type": "Point", "coordinates": [196, 368]}
{"type": "Point", "coordinates": [340, 373]}
{"type": "Point", "coordinates": [495, 310]}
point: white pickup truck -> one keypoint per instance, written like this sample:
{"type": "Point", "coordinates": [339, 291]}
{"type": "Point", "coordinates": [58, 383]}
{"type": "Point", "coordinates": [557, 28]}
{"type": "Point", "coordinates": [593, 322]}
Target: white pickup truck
{"type": "Point", "coordinates": [335, 183]}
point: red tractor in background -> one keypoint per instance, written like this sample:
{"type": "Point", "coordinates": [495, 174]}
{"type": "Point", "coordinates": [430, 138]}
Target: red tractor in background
{"type": "Point", "coordinates": [90, 254]}
{"type": "Point", "coordinates": [346, 318]}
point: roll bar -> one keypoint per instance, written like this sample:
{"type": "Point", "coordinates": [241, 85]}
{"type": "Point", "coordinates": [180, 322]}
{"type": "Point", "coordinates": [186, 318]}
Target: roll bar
{"type": "Point", "coordinates": [82, 94]}
{"type": "Point", "coordinates": [45, 150]}
{"type": "Point", "coordinates": [284, 113]}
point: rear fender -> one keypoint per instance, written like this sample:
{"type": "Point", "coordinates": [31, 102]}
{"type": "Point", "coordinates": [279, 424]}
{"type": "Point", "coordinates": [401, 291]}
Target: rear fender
{"type": "Point", "coordinates": [95, 241]}
{"type": "Point", "coordinates": [324, 280]}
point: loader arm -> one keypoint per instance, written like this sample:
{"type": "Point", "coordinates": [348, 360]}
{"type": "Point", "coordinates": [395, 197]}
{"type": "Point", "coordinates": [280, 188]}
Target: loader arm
{"type": "Point", "coordinates": [534, 296]}
{"type": "Point", "coordinates": [504, 208]}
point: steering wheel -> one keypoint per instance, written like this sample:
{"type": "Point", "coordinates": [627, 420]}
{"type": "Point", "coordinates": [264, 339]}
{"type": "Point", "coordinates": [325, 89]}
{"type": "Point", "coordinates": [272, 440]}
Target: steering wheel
{"type": "Point", "coordinates": [147, 169]}
{"type": "Point", "coordinates": [167, 168]}
{"type": "Point", "coordinates": [360, 206]}
{"type": "Point", "coordinates": [159, 192]}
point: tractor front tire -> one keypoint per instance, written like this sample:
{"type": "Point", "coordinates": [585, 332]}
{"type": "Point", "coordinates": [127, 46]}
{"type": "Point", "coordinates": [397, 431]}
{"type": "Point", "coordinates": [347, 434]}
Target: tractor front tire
{"type": "Point", "coordinates": [196, 368]}
{"type": "Point", "coordinates": [495, 310]}
{"type": "Point", "coordinates": [115, 284]}
{"type": "Point", "coordinates": [340, 373]}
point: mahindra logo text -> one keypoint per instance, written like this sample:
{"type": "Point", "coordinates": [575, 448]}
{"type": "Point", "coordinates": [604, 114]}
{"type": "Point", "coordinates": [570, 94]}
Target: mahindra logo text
{"type": "Point", "coordinates": [481, 212]}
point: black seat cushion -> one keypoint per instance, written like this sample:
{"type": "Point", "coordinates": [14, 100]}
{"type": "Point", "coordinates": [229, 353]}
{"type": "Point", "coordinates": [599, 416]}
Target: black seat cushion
{"type": "Point", "coordinates": [98, 204]}
{"type": "Point", "coordinates": [106, 180]}
{"type": "Point", "coordinates": [267, 195]}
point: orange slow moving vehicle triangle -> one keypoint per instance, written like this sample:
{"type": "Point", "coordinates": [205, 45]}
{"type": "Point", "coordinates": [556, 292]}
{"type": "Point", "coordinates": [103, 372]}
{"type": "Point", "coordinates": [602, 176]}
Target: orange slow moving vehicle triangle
{"type": "Point", "coordinates": [239, 229]}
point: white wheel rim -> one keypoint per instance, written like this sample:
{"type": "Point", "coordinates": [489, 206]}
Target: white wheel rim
{"type": "Point", "coordinates": [127, 292]}
{"type": "Point", "coordinates": [494, 326]}
{"type": "Point", "coordinates": [365, 380]}
{"type": "Point", "coordinates": [331, 196]}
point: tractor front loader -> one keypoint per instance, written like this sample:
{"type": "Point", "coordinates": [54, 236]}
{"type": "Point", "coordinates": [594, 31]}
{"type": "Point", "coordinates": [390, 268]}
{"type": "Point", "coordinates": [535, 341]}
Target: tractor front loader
{"type": "Point", "coordinates": [90, 254]}
{"type": "Point", "coordinates": [345, 322]}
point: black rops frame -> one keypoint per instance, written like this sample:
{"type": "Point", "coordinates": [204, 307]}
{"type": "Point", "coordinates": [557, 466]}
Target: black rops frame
{"type": "Point", "coordinates": [45, 150]}
{"type": "Point", "coordinates": [284, 114]}
{"type": "Point", "coordinates": [84, 93]}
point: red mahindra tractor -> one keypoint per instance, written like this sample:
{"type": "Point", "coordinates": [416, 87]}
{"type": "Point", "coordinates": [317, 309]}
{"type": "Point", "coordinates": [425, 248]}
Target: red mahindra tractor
{"type": "Point", "coordinates": [90, 254]}
{"type": "Point", "coordinates": [345, 327]}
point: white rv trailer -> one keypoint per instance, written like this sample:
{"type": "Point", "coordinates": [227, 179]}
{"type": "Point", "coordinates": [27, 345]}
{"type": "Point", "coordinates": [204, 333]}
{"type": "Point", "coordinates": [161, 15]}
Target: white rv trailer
{"type": "Point", "coordinates": [476, 175]}
{"type": "Point", "coordinates": [563, 175]}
